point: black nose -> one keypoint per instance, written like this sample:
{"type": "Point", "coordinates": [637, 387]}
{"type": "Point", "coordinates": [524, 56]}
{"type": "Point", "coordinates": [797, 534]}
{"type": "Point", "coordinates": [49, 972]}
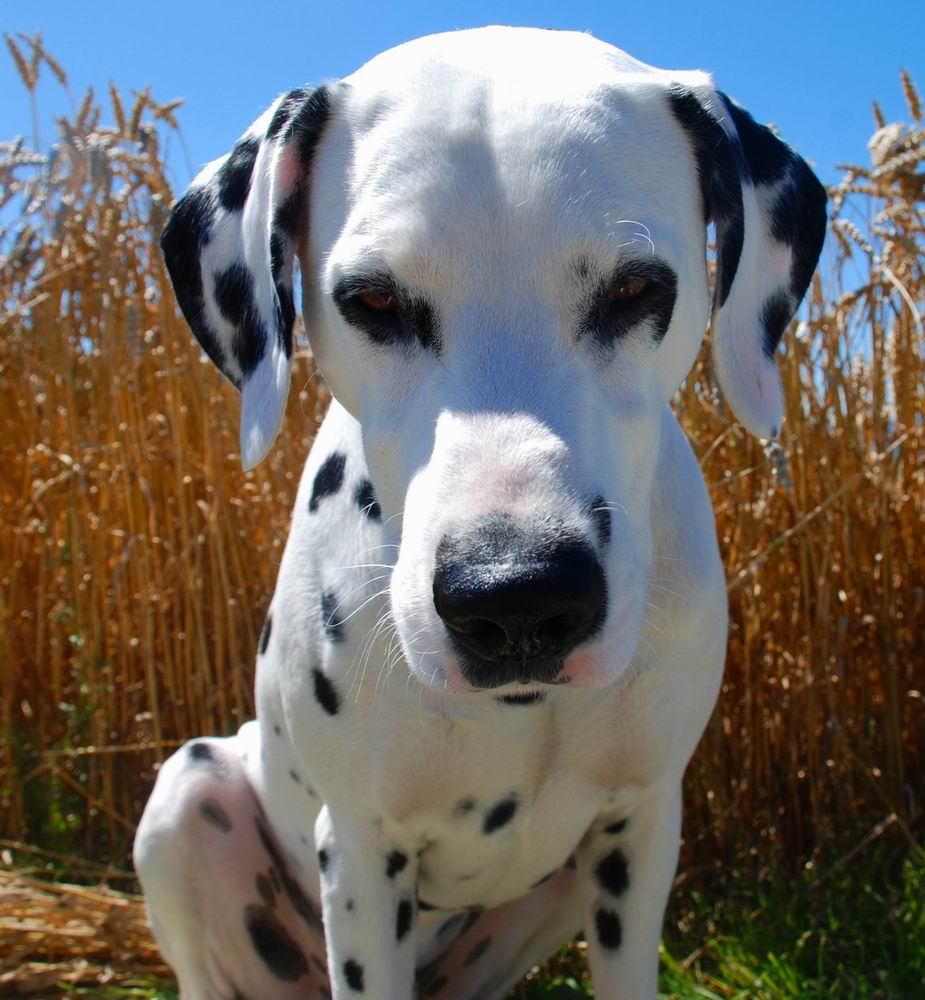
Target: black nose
{"type": "Point", "coordinates": [516, 605]}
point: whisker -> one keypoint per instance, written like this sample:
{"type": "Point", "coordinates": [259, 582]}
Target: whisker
{"type": "Point", "coordinates": [389, 566]}
{"type": "Point", "coordinates": [357, 610]}
{"type": "Point", "coordinates": [350, 593]}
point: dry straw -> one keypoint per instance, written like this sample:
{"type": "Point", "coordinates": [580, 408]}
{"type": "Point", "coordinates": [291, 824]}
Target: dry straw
{"type": "Point", "coordinates": [137, 559]}
{"type": "Point", "coordinates": [53, 933]}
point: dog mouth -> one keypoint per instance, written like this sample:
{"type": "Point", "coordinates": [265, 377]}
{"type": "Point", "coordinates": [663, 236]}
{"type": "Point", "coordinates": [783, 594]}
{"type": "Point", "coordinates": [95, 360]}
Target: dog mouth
{"type": "Point", "coordinates": [488, 675]}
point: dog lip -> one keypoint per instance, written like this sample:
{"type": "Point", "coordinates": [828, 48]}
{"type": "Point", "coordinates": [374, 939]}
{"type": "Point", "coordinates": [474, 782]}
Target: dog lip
{"type": "Point", "coordinates": [521, 687]}
{"type": "Point", "coordinates": [490, 675]}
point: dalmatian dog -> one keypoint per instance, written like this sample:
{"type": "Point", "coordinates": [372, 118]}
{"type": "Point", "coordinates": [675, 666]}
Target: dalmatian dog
{"type": "Point", "coordinates": [500, 620]}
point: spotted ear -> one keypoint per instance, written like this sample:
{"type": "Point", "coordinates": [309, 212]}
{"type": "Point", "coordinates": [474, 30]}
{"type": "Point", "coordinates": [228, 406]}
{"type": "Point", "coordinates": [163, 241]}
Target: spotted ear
{"type": "Point", "coordinates": [769, 211]}
{"type": "Point", "coordinates": [230, 246]}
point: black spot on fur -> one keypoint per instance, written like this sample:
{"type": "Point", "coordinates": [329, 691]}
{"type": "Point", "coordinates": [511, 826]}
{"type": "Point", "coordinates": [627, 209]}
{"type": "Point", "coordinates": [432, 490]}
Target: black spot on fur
{"type": "Point", "coordinates": [478, 951]}
{"type": "Point", "coordinates": [395, 863]}
{"type": "Point", "coordinates": [328, 479]}
{"type": "Point", "coordinates": [302, 114]}
{"type": "Point", "coordinates": [436, 986]}
{"type": "Point", "coordinates": [306, 125]}
{"type": "Point", "coordinates": [612, 873]}
{"type": "Point", "coordinates": [325, 692]}
{"type": "Point", "coordinates": [265, 634]}
{"type": "Point", "coordinates": [544, 879]}
{"type": "Point", "coordinates": [279, 875]}
{"type": "Point", "coordinates": [185, 236]}
{"type": "Point", "coordinates": [464, 806]}
{"type": "Point", "coordinates": [203, 753]}
{"type": "Point", "coordinates": [348, 906]}
{"type": "Point", "coordinates": [333, 626]}
{"type": "Point", "coordinates": [798, 215]}
{"type": "Point", "coordinates": [285, 317]}
{"type": "Point", "coordinates": [234, 176]}
{"type": "Point", "coordinates": [287, 215]}
{"type": "Point", "coordinates": [295, 776]}
{"type": "Point", "coordinates": [531, 698]}
{"type": "Point", "coordinates": [287, 107]}
{"type": "Point", "coordinates": [721, 169]}
{"type": "Point", "coordinates": [323, 860]}
{"type": "Point", "coordinates": [403, 918]}
{"type": "Point", "coordinates": [353, 973]}
{"type": "Point", "coordinates": [281, 254]}
{"type": "Point", "coordinates": [234, 295]}
{"type": "Point", "coordinates": [365, 497]}
{"type": "Point", "coordinates": [276, 729]}
{"type": "Point", "coordinates": [265, 890]}
{"type": "Point", "coordinates": [617, 827]}
{"type": "Point", "coordinates": [425, 974]}
{"type": "Point", "coordinates": [601, 517]}
{"type": "Point", "coordinates": [500, 815]}
{"type": "Point", "coordinates": [299, 118]}
{"type": "Point", "coordinates": [767, 156]}
{"type": "Point", "coordinates": [798, 218]}
{"type": "Point", "coordinates": [449, 924]}
{"type": "Point", "coordinates": [280, 953]}
{"type": "Point", "coordinates": [279, 248]}
{"type": "Point", "coordinates": [609, 929]}
{"type": "Point", "coordinates": [775, 315]}
{"type": "Point", "coordinates": [472, 918]}
{"type": "Point", "coordinates": [214, 814]}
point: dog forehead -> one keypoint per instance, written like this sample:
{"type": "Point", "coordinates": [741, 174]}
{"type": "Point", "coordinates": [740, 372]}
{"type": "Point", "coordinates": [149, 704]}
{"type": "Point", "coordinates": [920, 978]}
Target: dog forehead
{"type": "Point", "coordinates": [512, 130]}
{"type": "Point", "coordinates": [497, 80]}
{"type": "Point", "coordinates": [541, 60]}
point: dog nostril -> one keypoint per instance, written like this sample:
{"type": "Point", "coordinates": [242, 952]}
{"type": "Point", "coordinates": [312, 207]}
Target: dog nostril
{"type": "Point", "coordinates": [486, 634]}
{"type": "Point", "coordinates": [553, 632]}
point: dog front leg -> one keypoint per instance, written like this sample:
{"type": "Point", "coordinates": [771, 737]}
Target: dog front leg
{"type": "Point", "coordinates": [626, 868]}
{"type": "Point", "coordinates": [369, 906]}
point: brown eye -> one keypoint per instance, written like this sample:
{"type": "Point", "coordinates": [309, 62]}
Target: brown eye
{"type": "Point", "coordinates": [630, 289]}
{"type": "Point", "coordinates": [382, 302]}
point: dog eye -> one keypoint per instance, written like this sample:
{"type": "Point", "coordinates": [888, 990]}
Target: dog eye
{"type": "Point", "coordinates": [625, 291]}
{"type": "Point", "coordinates": [381, 302]}
{"type": "Point", "coordinates": [636, 293]}
{"type": "Point", "coordinates": [386, 312]}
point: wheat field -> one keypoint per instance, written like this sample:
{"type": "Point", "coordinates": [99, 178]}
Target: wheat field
{"type": "Point", "coordinates": [137, 559]}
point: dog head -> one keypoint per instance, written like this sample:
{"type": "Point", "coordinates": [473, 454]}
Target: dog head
{"type": "Point", "coordinates": [502, 238]}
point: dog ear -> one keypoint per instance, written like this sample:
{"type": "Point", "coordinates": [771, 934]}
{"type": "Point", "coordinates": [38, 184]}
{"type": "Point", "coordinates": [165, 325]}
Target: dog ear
{"type": "Point", "coordinates": [230, 245]}
{"type": "Point", "coordinates": [769, 210]}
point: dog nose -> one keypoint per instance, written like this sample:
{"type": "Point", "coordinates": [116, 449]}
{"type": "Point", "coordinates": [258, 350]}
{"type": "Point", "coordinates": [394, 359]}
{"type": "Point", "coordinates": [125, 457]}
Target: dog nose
{"type": "Point", "coordinates": [514, 609]}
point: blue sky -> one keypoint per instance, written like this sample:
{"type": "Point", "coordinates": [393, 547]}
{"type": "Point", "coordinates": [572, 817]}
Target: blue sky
{"type": "Point", "coordinates": [811, 67]}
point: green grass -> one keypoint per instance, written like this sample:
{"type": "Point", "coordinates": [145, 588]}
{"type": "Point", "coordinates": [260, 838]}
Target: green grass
{"type": "Point", "coordinates": [855, 930]}
{"type": "Point", "coordinates": [144, 989]}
